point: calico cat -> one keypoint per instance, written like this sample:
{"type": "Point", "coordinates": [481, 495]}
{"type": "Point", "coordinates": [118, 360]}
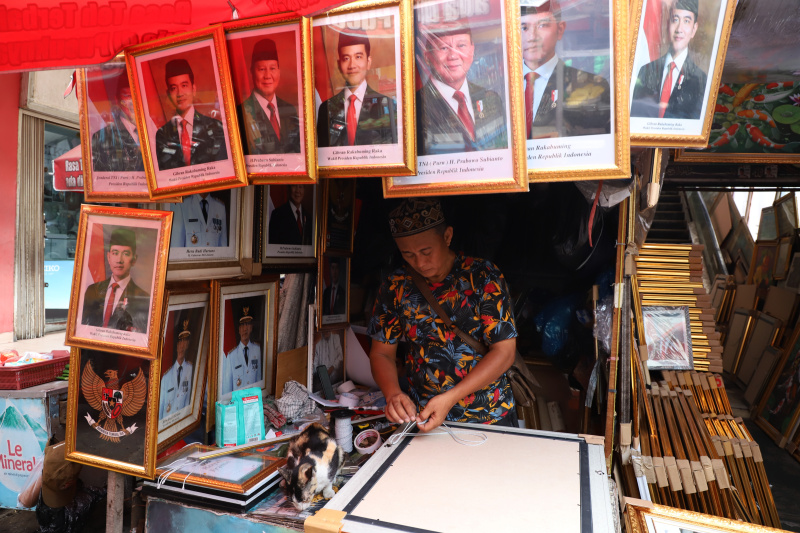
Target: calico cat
{"type": "Point", "coordinates": [313, 461]}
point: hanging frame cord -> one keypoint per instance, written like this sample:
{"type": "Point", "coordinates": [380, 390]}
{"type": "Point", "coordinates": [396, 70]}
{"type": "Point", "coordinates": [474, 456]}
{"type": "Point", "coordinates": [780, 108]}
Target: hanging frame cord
{"type": "Point", "coordinates": [475, 438]}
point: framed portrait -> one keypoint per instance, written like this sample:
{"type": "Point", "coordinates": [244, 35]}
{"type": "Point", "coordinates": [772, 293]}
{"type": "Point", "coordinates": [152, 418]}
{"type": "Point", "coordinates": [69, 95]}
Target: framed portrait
{"type": "Point", "coordinates": [185, 109]}
{"type": "Point", "coordinates": [113, 168]}
{"type": "Point", "coordinates": [326, 349]}
{"type": "Point", "coordinates": [768, 225]}
{"type": "Point", "coordinates": [211, 234]}
{"type": "Point", "coordinates": [339, 207]}
{"type": "Point", "coordinates": [668, 335]}
{"type": "Point", "coordinates": [243, 340]}
{"type": "Point", "coordinates": [184, 363]}
{"type": "Point", "coordinates": [752, 123]}
{"type": "Point", "coordinates": [270, 59]}
{"type": "Point", "coordinates": [763, 264]}
{"type": "Point", "coordinates": [364, 83]}
{"type": "Point", "coordinates": [470, 127]}
{"type": "Point", "coordinates": [290, 227]}
{"type": "Point", "coordinates": [740, 242]}
{"type": "Point", "coordinates": [661, 519]}
{"type": "Point", "coordinates": [678, 52]}
{"type": "Point", "coordinates": [333, 290]}
{"type": "Point", "coordinates": [784, 255]}
{"type": "Point", "coordinates": [786, 214]}
{"type": "Point", "coordinates": [574, 83]}
{"type": "Point", "coordinates": [118, 281]}
{"type": "Point", "coordinates": [792, 281]}
{"type": "Point", "coordinates": [112, 412]}
{"type": "Point", "coordinates": [778, 410]}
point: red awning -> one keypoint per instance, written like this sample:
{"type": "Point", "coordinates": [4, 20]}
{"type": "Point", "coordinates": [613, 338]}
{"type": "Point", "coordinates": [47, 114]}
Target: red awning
{"type": "Point", "coordinates": [68, 171]}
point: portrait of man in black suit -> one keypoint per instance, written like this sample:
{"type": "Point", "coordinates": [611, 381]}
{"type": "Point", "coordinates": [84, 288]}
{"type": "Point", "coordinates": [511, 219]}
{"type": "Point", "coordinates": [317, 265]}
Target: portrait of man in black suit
{"type": "Point", "coordinates": [453, 114]}
{"type": "Point", "coordinates": [117, 302]}
{"type": "Point", "coordinates": [672, 86]}
{"type": "Point", "coordinates": [291, 223]}
{"type": "Point", "coordinates": [334, 297]}
{"type": "Point", "coordinates": [358, 114]}
{"type": "Point", "coordinates": [560, 101]}
{"type": "Point", "coordinates": [270, 124]}
{"type": "Point", "coordinates": [115, 148]}
{"type": "Point", "coordinates": [189, 137]}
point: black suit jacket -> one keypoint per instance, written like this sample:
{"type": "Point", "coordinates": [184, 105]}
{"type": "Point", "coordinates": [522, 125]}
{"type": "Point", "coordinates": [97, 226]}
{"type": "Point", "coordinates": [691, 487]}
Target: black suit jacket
{"type": "Point", "coordinates": [338, 304]}
{"type": "Point", "coordinates": [377, 121]}
{"type": "Point", "coordinates": [114, 149]}
{"type": "Point", "coordinates": [283, 226]}
{"type": "Point", "coordinates": [130, 314]}
{"type": "Point", "coordinates": [208, 143]}
{"type": "Point", "coordinates": [440, 131]}
{"type": "Point", "coordinates": [686, 99]}
{"type": "Point", "coordinates": [575, 111]}
{"type": "Point", "coordinates": [260, 135]}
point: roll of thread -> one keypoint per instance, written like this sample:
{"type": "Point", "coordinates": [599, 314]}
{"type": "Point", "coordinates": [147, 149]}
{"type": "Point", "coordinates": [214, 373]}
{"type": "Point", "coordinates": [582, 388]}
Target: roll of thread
{"type": "Point", "coordinates": [344, 430]}
{"type": "Point", "coordinates": [347, 386]}
{"type": "Point", "coordinates": [348, 400]}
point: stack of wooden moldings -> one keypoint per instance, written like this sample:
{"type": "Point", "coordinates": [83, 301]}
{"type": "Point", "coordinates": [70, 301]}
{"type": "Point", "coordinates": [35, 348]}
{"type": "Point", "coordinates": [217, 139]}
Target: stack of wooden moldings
{"type": "Point", "coordinates": [714, 431]}
{"type": "Point", "coordinates": [672, 274]}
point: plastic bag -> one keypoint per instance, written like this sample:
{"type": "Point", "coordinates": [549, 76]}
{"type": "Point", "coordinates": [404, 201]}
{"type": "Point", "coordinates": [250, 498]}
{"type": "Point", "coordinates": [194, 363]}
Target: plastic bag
{"type": "Point", "coordinates": [29, 493]}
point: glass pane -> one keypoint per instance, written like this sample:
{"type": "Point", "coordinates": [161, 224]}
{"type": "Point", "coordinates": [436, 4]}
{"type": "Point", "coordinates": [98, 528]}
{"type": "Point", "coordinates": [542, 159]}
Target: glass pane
{"type": "Point", "coordinates": [61, 213]}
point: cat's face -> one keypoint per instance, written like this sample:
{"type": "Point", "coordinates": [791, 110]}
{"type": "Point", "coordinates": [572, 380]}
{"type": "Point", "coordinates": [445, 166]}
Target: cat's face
{"type": "Point", "coordinates": [301, 485]}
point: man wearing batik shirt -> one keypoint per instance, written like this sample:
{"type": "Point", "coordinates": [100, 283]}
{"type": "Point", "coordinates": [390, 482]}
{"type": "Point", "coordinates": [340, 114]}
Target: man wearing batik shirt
{"type": "Point", "coordinates": [446, 378]}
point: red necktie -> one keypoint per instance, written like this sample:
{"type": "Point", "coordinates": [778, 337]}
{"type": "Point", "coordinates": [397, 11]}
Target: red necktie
{"type": "Point", "coordinates": [186, 143]}
{"type": "Point", "coordinates": [110, 305]}
{"type": "Point", "coordinates": [299, 224]}
{"type": "Point", "coordinates": [463, 114]}
{"type": "Point", "coordinates": [274, 121]}
{"type": "Point", "coordinates": [666, 91]}
{"type": "Point", "coordinates": [530, 79]}
{"type": "Point", "coordinates": [352, 123]}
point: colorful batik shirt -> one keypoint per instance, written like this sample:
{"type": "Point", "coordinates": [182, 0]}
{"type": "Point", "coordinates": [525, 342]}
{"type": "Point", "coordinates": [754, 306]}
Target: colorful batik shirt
{"type": "Point", "coordinates": [475, 297]}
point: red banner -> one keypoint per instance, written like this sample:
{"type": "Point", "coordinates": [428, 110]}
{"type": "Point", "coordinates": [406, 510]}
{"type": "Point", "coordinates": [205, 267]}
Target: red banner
{"type": "Point", "coordinates": [57, 34]}
{"type": "Point", "coordinates": [68, 171]}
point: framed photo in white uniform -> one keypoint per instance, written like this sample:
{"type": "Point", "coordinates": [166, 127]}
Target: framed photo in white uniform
{"type": "Point", "coordinates": [210, 239]}
{"type": "Point", "coordinates": [184, 356]}
{"type": "Point", "coordinates": [243, 344]}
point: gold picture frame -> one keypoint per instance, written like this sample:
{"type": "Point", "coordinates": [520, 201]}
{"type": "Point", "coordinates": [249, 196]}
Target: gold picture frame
{"type": "Point", "coordinates": [339, 215]}
{"type": "Point", "coordinates": [554, 156]}
{"type": "Point", "coordinates": [686, 126]}
{"type": "Point", "coordinates": [93, 395]}
{"type": "Point", "coordinates": [333, 305]}
{"type": "Point", "coordinates": [398, 161]}
{"type": "Point", "coordinates": [229, 298]}
{"type": "Point", "coordinates": [786, 214]}
{"type": "Point", "coordinates": [176, 166]}
{"type": "Point", "coordinates": [643, 518]}
{"type": "Point", "coordinates": [264, 168]}
{"type": "Point", "coordinates": [449, 160]}
{"type": "Point", "coordinates": [282, 245]}
{"type": "Point", "coordinates": [187, 307]}
{"type": "Point", "coordinates": [131, 324]}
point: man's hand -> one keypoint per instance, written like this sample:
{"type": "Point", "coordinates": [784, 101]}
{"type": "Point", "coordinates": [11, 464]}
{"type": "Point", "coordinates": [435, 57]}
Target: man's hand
{"type": "Point", "coordinates": [436, 411]}
{"type": "Point", "coordinates": [400, 409]}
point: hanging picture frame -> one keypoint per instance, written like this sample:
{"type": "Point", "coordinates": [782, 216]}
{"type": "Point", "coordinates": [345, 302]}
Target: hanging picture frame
{"type": "Point", "coordinates": [340, 209]}
{"type": "Point", "coordinates": [270, 60]}
{"type": "Point", "coordinates": [112, 412]}
{"type": "Point", "coordinates": [482, 150]}
{"type": "Point", "coordinates": [186, 113]}
{"type": "Point", "coordinates": [118, 281]}
{"type": "Point", "coordinates": [695, 35]}
{"type": "Point", "coordinates": [289, 232]}
{"type": "Point", "coordinates": [333, 290]}
{"type": "Point", "coordinates": [366, 46]}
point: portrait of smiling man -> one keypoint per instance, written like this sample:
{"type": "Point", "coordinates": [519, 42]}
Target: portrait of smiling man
{"type": "Point", "coordinates": [188, 137]}
{"type": "Point", "coordinates": [454, 114]}
{"type": "Point", "coordinates": [358, 114]}
{"type": "Point", "coordinates": [560, 100]}
{"type": "Point", "coordinates": [672, 86]}
{"type": "Point", "coordinates": [117, 302]}
{"type": "Point", "coordinates": [270, 124]}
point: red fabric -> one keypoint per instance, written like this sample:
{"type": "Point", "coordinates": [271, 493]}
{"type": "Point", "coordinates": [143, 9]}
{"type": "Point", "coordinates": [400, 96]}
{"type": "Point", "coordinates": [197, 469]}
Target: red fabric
{"type": "Point", "coordinates": [463, 113]}
{"type": "Point", "coordinates": [186, 142]}
{"type": "Point", "coordinates": [273, 119]}
{"type": "Point", "coordinates": [50, 34]}
{"type": "Point", "coordinates": [110, 304]}
{"type": "Point", "coordinates": [666, 90]}
{"type": "Point", "coordinates": [352, 122]}
{"type": "Point", "coordinates": [530, 80]}
{"type": "Point", "coordinates": [97, 255]}
{"type": "Point", "coordinates": [652, 28]}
